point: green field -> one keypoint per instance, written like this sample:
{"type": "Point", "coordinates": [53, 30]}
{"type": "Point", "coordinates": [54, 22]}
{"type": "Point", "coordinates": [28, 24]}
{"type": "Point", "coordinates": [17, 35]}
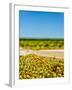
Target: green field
{"type": "Point", "coordinates": [39, 44]}
{"type": "Point", "coordinates": [35, 66]}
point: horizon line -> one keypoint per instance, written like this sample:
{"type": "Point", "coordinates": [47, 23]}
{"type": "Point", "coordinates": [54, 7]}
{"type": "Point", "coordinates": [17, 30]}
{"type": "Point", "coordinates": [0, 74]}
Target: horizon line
{"type": "Point", "coordinates": [39, 38]}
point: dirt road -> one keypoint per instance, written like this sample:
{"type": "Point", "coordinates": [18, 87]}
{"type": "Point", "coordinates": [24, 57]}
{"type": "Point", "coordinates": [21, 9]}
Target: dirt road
{"type": "Point", "coordinates": [49, 53]}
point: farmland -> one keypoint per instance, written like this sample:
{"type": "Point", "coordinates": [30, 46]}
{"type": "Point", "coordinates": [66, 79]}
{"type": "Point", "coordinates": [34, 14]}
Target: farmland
{"type": "Point", "coordinates": [41, 44]}
{"type": "Point", "coordinates": [41, 58]}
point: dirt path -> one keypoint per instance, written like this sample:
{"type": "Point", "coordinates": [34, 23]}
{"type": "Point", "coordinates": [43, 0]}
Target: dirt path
{"type": "Point", "coordinates": [49, 53]}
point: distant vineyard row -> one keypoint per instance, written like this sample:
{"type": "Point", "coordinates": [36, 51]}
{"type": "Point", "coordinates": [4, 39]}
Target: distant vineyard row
{"type": "Point", "coordinates": [38, 44]}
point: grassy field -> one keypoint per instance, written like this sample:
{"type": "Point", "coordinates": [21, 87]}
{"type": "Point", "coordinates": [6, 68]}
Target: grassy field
{"type": "Point", "coordinates": [35, 66]}
{"type": "Point", "coordinates": [39, 44]}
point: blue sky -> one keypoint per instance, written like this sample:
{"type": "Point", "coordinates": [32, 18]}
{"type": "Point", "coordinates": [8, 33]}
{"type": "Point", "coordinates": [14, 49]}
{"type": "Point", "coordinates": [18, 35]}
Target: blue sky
{"type": "Point", "coordinates": [35, 24]}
